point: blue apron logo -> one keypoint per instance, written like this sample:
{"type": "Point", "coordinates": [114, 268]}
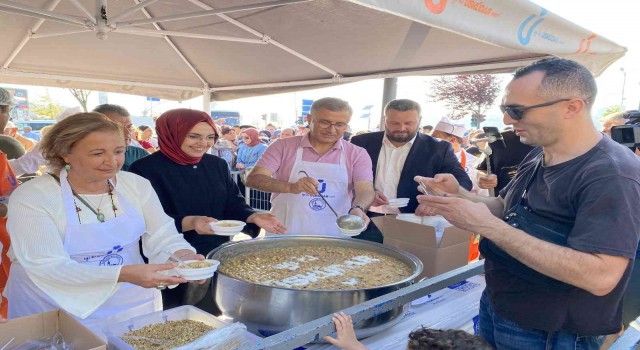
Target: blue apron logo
{"type": "Point", "coordinates": [317, 204]}
{"type": "Point", "coordinates": [112, 259]}
{"type": "Point", "coordinates": [525, 39]}
{"type": "Point", "coordinates": [323, 186]}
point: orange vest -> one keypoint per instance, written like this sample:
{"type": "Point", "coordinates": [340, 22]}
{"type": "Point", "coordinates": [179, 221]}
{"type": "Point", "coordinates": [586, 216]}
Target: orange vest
{"type": "Point", "coordinates": [8, 183]}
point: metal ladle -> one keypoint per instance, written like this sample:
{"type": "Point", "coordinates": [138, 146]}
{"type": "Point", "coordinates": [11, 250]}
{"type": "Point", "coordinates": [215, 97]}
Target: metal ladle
{"type": "Point", "coordinates": [345, 222]}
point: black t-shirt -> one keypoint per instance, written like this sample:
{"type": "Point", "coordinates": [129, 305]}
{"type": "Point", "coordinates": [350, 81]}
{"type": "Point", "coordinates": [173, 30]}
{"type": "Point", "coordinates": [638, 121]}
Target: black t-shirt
{"type": "Point", "coordinates": [598, 193]}
{"type": "Point", "coordinates": [504, 162]}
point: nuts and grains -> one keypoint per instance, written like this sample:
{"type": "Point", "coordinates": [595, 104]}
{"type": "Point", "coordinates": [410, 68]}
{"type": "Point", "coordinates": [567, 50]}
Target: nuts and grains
{"type": "Point", "coordinates": [317, 268]}
{"type": "Point", "coordinates": [170, 334]}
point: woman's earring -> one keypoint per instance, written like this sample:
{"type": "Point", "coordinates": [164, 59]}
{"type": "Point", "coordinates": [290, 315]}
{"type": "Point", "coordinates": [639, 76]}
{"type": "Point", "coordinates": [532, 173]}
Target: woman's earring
{"type": "Point", "coordinates": [67, 167]}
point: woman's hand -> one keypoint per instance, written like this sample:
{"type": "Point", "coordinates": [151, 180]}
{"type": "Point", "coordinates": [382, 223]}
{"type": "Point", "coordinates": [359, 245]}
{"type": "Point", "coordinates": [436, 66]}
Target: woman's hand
{"type": "Point", "coordinates": [346, 335]}
{"type": "Point", "coordinates": [268, 222]}
{"type": "Point", "coordinates": [186, 254]}
{"type": "Point", "coordinates": [198, 223]}
{"type": "Point", "coordinates": [147, 276]}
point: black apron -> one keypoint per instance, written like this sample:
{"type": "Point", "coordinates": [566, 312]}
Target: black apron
{"type": "Point", "coordinates": [522, 217]}
{"type": "Point", "coordinates": [536, 301]}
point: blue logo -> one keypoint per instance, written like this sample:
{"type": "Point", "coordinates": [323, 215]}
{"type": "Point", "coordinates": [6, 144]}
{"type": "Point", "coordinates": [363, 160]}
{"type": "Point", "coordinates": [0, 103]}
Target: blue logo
{"type": "Point", "coordinates": [317, 204]}
{"type": "Point", "coordinates": [112, 260]}
{"type": "Point", "coordinates": [323, 186]}
{"type": "Point", "coordinates": [533, 21]}
{"type": "Point", "coordinates": [525, 39]}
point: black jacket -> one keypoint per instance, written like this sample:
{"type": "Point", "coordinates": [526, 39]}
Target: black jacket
{"type": "Point", "coordinates": [427, 157]}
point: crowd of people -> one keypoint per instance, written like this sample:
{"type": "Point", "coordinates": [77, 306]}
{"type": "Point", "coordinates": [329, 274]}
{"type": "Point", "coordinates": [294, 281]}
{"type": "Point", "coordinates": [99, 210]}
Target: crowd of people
{"type": "Point", "coordinates": [93, 233]}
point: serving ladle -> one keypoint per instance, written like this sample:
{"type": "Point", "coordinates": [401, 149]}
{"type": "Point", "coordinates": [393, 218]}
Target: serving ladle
{"type": "Point", "coordinates": [345, 222]}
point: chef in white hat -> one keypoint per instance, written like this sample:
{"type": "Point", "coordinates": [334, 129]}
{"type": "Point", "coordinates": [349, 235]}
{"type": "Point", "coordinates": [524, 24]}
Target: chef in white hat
{"type": "Point", "coordinates": [454, 134]}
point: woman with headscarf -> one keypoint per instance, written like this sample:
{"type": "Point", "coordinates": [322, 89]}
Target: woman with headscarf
{"type": "Point", "coordinates": [250, 150]}
{"type": "Point", "coordinates": [196, 188]}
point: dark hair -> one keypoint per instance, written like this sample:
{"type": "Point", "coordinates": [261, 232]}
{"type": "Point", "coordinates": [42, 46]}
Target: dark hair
{"type": "Point", "coordinates": [247, 126]}
{"type": "Point", "coordinates": [107, 108]}
{"type": "Point", "coordinates": [562, 78]}
{"type": "Point", "coordinates": [428, 127]}
{"type": "Point", "coordinates": [143, 127]}
{"type": "Point", "coordinates": [436, 339]}
{"type": "Point", "coordinates": [225, 130]}
{"type": "Point", "coordinates": [403, 105]}
{"type": "Point", "coordinates": [331, 103]}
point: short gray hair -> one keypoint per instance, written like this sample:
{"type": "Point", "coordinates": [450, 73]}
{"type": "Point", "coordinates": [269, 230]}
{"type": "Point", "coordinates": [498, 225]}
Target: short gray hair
{"type": "Point", "coordinates": [562, 78]}
{"type": "Point", "coordinates": [333, 104]}
{"type": "Point", "coordinates": [403, 105]}
{"type": "Point", "coordinates": [109, 108]}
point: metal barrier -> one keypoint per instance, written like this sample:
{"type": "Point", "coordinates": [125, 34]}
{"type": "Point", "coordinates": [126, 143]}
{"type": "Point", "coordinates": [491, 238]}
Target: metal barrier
{"type": "Point", "coordinates": [258, 200]}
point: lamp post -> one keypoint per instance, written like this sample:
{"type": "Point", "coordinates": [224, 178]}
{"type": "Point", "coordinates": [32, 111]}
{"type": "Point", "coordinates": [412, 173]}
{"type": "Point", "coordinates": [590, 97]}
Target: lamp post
{"type": "Point", "coordinates": [624, 81]}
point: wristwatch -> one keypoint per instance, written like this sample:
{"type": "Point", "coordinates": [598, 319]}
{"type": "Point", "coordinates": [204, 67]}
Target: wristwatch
{"type": "Point", "coordinates": [357, 207]}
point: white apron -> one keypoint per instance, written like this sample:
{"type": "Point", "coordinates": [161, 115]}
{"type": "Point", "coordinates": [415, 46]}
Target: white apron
{"type": "Point", "coordinates": [113, 242]}
{"type": "Point", "coordinates": [304, 214]}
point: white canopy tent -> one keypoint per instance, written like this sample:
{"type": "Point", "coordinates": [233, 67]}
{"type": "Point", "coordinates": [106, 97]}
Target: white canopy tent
{"type": "Point", "coordinates": [179, 49]}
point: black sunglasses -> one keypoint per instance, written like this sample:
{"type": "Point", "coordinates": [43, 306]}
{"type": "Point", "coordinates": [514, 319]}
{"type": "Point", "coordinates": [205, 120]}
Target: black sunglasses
{"type": "Point", "coordinates": [517, 113]}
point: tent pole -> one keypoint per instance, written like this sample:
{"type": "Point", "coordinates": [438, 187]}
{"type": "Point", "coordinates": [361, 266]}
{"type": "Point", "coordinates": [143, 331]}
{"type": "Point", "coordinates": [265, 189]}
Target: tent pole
{"type": "Point", "coordinates": [206, 100]}
{"type": "Point", "coordinates": [388, 94]}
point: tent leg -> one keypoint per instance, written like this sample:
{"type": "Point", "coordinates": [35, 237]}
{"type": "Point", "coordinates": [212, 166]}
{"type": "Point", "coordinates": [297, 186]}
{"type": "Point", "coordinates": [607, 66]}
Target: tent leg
{"type": "Point", "coordinates": [206, 101]}
{"type": "Point", "coordinates": [388, 94]}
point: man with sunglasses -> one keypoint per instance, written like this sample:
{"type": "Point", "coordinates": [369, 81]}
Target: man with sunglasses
{"type": "Point", "coordinates": [399, 153]}
{"type": "Point", "coordinates": [299, 169]}
{"type": "Point", "coordinates": [559, 239]}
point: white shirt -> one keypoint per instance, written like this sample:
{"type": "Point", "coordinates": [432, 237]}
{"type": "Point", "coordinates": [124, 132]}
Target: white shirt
{"type": "Point", "coordinates": [470, 167]}
{"type": "Point", "coordinates": [390, 165]}
{"type": "Point", "coordinates": [29, 163]}
{"type": "Point", "coordinates": [36, 223]}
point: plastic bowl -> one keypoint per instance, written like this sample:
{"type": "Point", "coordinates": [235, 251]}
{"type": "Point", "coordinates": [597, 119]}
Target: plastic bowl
{"type": "Point", "coordinates": [201, 273]}
{"type": "Point", "coordinates": [351, 233]}
{"type": "Point", "coordinates": [227, 227]}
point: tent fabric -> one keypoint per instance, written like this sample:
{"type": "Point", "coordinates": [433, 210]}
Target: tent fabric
{"type": "Point", "coordinates": [297, 45]}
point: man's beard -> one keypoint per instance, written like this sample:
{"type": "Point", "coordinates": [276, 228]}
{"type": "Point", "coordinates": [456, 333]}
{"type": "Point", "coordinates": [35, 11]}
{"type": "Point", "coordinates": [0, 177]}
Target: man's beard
{"type": "Point", "coordinates": [400, 139]}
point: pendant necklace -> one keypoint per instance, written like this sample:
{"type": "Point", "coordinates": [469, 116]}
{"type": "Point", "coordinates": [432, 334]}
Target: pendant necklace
{"type": "Point", "coordinates": [99, 215]}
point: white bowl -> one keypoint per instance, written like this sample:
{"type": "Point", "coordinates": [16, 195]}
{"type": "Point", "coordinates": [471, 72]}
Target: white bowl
{"type": "Point", "coordinates": [397, 201]}
{"type": "Point", "coordinates": [195, 274]}
{"type": "Point", "coordinates": [351, 233]}
{"type": "Point", "coordinates": [227, 227]}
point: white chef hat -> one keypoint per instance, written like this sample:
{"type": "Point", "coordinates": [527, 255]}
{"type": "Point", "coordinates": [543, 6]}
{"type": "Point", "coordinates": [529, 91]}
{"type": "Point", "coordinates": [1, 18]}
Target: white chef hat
{"type": "Point", "coordinates": [445, 125]}
{"type": "Point", "coordinates": [68, 112]}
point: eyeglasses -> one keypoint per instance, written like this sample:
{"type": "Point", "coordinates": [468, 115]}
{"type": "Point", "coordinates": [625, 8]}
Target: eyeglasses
{"type": "Point", "coordinates": [327, 124]}
{"type": "Point", "coordinates": [517, 112]}
{"type": "Point", "coordinates": [246, 138]}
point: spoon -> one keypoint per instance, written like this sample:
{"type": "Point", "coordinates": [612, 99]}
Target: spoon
{"type": "Point", "coordinates": [175, 258]}
{"type": "Point", "coordinates": [345, 222]}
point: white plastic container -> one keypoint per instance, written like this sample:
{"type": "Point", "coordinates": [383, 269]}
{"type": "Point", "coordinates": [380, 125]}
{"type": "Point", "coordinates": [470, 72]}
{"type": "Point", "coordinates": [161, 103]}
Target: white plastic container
{"type": "Point", "coordinates": [186, 312]}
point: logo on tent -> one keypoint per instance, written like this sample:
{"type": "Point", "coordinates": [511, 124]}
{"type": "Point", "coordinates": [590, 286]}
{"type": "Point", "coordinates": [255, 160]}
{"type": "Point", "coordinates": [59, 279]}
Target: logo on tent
{"type": "Point", "coordinates": [585, 44]}
{"type": "Point", "coordinates": [436, 6]}
{"type": "Point", "coordinates": [533, 21]}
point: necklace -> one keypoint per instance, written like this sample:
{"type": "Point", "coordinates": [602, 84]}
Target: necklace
{"type": "Point", "coordinates": [99, 215]}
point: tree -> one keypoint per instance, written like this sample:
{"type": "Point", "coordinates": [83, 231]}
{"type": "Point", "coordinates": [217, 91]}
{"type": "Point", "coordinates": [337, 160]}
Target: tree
{"type": "Point", "coordinates": [82, 96]}
{"type": "Point", "coordinates": [467, 94]}
{"type": "Point", "coordinates": [45, 107]}
{"type": "Point", "coordinates": [611, 110]}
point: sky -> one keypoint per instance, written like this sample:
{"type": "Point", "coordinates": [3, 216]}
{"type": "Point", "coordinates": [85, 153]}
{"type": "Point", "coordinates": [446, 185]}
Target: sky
{"type": "Point", "coordinates": [613, 19]}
